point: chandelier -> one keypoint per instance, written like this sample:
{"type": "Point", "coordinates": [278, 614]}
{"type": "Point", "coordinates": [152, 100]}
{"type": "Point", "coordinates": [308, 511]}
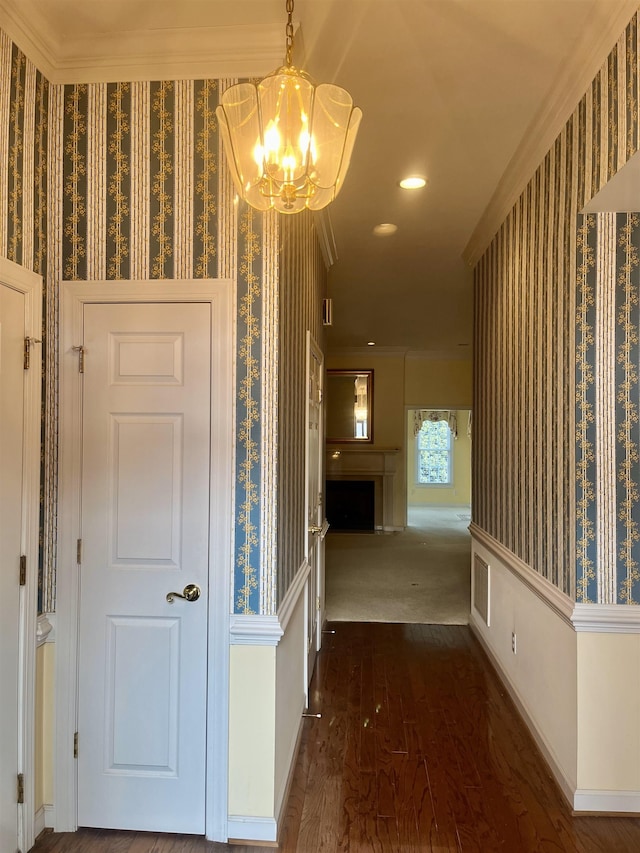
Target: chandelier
{"type": "Point", "coordinates": [288, 141]}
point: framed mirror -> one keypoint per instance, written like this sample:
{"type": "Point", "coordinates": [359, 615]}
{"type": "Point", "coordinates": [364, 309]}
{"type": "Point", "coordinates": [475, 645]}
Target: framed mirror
{"type": "Point", "coordinates": [349, 406]}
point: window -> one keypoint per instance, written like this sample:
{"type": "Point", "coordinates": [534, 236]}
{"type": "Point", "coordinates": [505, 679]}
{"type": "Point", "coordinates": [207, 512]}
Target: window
{"type": "Point", "coordinates": [433, 451]}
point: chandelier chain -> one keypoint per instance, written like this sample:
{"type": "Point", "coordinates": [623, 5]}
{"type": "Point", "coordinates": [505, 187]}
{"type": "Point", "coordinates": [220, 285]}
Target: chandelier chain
{"type": "Point", "coordinates": [289, 31]}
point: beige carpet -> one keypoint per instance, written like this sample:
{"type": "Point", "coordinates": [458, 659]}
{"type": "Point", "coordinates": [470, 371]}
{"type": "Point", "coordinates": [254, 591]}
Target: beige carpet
{"type": "Point", "coordinates": [420, 575]}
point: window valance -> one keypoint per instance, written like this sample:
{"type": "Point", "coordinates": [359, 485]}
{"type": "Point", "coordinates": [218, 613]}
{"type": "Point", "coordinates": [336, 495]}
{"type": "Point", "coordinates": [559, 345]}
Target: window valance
{"type": "Point", "coordinates": [422, 415]}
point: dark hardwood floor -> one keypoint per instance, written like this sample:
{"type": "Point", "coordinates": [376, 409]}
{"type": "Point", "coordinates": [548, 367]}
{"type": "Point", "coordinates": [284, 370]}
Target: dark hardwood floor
{"type": "Point", "coordinates": [418, 749]}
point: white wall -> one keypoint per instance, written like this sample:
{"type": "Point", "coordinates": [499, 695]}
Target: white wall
{"type": "Point", "coordinates": [609, 718]}
{"type": "Point", "coordinates": [251, 730]}
{"type": "Point", "coordinates": [290, 699]}
{"type": "Point", "coordinates": [575, 677]}
{"type": "Point", "coordinates": [266, 702]}
{"type": "Point", "coordinates": [542, 675]}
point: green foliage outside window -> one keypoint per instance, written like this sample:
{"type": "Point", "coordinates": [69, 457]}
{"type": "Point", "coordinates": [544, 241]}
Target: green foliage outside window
{"type": "Point", "coordinates": [434, 454]}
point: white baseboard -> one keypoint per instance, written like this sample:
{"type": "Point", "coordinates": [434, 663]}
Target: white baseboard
{"type": "Point", "coordinates": [44, 819]}
{"type": "Point", "coordinates": [39, 824]}
{"type": "Point", "coordinates": [281, 805]}
{"type": "Point", "coordinates": [246, 828]}
{"type": "Point", "coordinates": [265, 829]}
{"type": "Point", "coordinates": [566, 786]}
{"type": "Point", "coordinates": [627, 802]}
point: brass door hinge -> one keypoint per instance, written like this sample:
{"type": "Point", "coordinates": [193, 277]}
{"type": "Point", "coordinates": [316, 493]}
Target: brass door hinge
{"type": "Point", "coordinates": [75, 745]}
{"type": "Point", "coordinates": [28, 342]}
{"type": "Point", "coordinates": [23, 570]}
{"type": "Point", "coordinates": [81, 351]}
{"type": "Point", "coordinates": [318, 602]}
{"type": "Point", "coordinates": [20, 788]}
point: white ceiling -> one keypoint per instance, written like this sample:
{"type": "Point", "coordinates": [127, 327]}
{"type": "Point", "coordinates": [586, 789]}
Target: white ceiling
{"type": "Point", "coordinates": [470, 93]}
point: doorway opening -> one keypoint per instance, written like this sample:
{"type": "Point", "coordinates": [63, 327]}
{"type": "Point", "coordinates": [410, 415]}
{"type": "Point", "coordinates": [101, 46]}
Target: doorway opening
{"type": "Point", "coordinates": [420, 574]}
{"type": "Point", "coordinates": [439, 462]}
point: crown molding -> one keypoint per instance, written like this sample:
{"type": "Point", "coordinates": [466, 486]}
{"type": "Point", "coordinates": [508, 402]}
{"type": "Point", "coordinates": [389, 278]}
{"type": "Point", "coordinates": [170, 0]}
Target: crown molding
{"type": "Point", "coordinates": [366, 352]}
{"type": "Point", "coordinates": [326, 237]}
{"type": "Point", "coordinates": [25, 31]}
{"type": "Point", "coordinates": [190, 53]}
{"type": "Point", "coordinates": [249, 50]}
{"type": "Point", "coordinates": [453, 354]}
{"type": "Point", "coordinates": [565, 95]}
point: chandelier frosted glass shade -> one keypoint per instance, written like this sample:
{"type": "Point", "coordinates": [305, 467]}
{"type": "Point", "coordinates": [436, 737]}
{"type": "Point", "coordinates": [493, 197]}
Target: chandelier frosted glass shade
{"type": "Point", "coordinates": [288, 142]}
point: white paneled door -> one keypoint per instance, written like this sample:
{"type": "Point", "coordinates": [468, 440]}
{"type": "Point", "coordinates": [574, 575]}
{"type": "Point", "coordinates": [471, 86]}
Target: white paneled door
{"type": "Point", "coordinates": [142, 698]}
{"type": "Point", "coordinates": [12, 333]}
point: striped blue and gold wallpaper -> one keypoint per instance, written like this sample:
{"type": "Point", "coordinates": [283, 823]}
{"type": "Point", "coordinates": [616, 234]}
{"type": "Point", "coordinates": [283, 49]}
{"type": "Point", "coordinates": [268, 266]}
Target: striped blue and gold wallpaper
{"type": "Point", "coordinates": [24, 143]}
{"type": "Point", "coordinates": [141, 197]}
{"type": "Point", "coordinates": [543, 438]}
{"type": "Point", "coordinates": [608, 409]}
{"type": "Point", "coordinates": [139, 180]}
{"type": "Point", "coordinates": [126, 180]}
{"type": "Point", "coordinates": [303, 280]}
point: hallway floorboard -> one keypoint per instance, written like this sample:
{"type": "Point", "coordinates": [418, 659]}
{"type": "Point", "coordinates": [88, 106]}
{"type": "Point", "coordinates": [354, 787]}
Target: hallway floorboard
{"type": "Point", "coordinates": [418, 749]}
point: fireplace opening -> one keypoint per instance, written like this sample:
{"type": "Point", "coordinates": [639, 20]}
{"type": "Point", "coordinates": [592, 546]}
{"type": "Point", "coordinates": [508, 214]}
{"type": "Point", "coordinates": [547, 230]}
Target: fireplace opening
{"type": "Point", "coordinates": [351, 504]}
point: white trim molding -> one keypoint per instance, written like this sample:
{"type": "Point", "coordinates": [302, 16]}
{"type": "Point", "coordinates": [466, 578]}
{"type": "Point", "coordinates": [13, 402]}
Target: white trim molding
{"type": "Point", "coordinates": [258, 630]}
{"type": "Point", "coordinates": [219, 293]}
{"type": "Point", "coordinates": [29, 284]}
{"type": "Point", "coordinates": [254, 630]}
{"type": "Point", "coordinates": [269, 356]}
{"type": "Point", "coordinates": [568, 89]}
{"type": "Point", "coordinates": [44, 819]}
{"type": "Point", "coordinates": [326, 237]}
{"type": "Point", "coordinates": [560, 603]}
{"type": "Point", "coordinates": [606, 618]}
{"type": "Point", "coordinates": [243, 50]}
{"type": "Point", "coordinates": [593, 618]}
{"type": "Point", "coordinates": [45, 629]}
{"type": "Point", "coordinates": [607, 802]}
{"type": "Point", "coordinates": [296, 589]}
{"type": "Point", "coordinates": [262, 829]}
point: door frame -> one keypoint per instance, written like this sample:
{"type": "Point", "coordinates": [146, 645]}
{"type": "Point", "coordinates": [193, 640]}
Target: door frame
{"type": "Point", "coordinates": [220, 295]}
{"type": "Point", "coordinates": [317, 571]}
{"type": "Point", "coordinates": [30, 285]}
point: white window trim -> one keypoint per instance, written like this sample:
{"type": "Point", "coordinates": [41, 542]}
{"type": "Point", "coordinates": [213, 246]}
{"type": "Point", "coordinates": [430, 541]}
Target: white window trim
{"type": "Point", "coordinates": [449, 484]}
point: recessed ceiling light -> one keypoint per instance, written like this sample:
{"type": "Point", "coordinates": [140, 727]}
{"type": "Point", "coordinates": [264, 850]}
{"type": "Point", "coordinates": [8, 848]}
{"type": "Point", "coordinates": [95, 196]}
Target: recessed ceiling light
{"type": "Point", "coordinates": [413, 182]}
{"type": "Point", "coordinates": [385, 229]}
{"type": "Point", "coordinates": [371, 343]}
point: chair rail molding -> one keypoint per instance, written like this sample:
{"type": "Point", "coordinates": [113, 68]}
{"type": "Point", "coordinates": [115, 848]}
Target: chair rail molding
{"type": "Point", "coordinates": [544, 589]}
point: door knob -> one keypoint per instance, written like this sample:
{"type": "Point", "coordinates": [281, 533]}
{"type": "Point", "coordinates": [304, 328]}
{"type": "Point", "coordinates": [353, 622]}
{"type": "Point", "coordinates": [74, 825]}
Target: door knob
{"type": "Point", "coordinates": [191, 592]}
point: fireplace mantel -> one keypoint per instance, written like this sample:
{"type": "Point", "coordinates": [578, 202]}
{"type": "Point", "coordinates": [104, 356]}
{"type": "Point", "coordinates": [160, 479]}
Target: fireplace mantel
{"type": "Point", "coordinates": [380, 464]}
